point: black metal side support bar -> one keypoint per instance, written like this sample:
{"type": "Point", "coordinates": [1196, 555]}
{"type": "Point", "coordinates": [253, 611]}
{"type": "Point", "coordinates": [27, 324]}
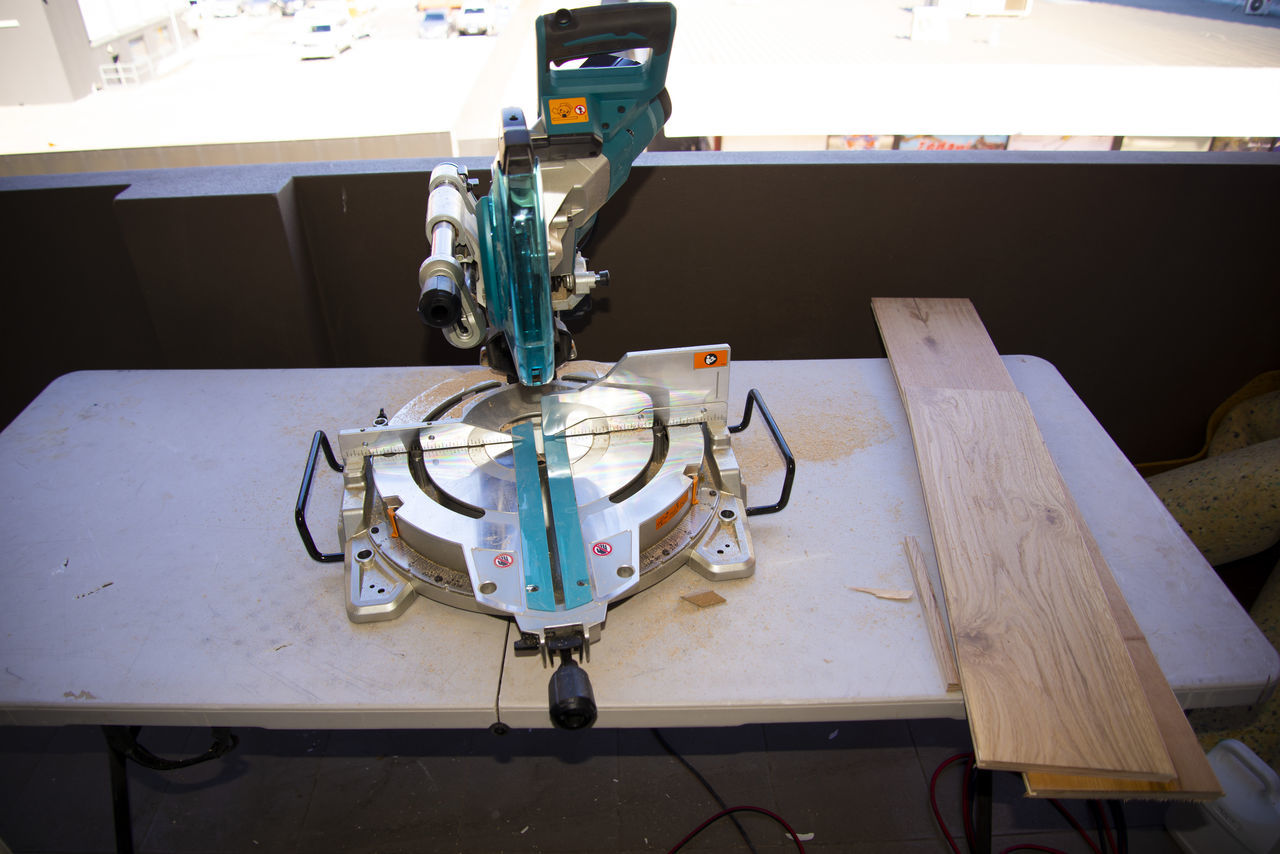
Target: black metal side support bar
{"type": "Point", "coordinates": [754, 399]}
{"type": "Point", "coordinates": [122, 745]}
{"type": "Point", "coordinates": [319, 442]}
{"type": "Point", "coordinates": [982, 811]}
{"type": "Point", "coordinates": [122, 816]}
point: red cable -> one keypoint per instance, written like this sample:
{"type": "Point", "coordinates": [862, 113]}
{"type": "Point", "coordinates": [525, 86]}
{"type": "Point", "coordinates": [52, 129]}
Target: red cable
{"type": "Point", "coordinates": [1106, 825]}
{"type": "Point", "coordinates": [1079, 829]}
{"type": "Point", "coordinates": [966, 802]}
{"type": "Point", "coordinates": [933, 797]}
{"type": "Point", "coordinates": [795, 837]}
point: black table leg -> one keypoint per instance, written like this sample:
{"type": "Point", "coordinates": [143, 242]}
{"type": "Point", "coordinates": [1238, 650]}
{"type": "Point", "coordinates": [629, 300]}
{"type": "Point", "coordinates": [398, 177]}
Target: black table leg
{"type": "Point", "coordinates": [982, 808]}
{"type": "Point", "coordinates": [122, 746]}
{"type": "Point", "coordinates": [118, 738]}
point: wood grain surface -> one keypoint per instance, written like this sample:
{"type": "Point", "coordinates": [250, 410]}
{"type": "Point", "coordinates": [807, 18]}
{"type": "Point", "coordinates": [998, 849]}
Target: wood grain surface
{"type": "Point", "coordinates": [933, 345]}
{"type": "Point", "coordinates": [1195, 778]}
{"type": "Point", "coordinates": [1049, 683]}
{"type": "Point", "coordinates": [939, 637]}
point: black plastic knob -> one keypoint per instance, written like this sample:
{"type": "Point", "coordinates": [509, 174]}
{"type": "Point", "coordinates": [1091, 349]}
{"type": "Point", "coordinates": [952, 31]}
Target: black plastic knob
{"type": "Point", "coordinates": [439, 305]}
{"type": "Point", "coordinates": [573, 704]}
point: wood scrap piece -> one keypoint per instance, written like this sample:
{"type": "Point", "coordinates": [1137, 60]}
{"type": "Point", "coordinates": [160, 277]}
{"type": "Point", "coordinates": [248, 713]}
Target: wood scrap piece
{"type": "Point", "coordinates": [938, 634]}
{"type": "Point", "coordinates": [885, 593]}
{"type": "Point", "coordinates": [1048, 682]}
{"type": "Point", "coordinates": [704, 598]}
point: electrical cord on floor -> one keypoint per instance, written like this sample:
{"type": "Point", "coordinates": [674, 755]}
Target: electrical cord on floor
{"type": "Point", "coordinates": [1108, 843]}
{"type": "Point", "coordinates": [724, 807]}
{"type": "Point", "coordinates": [1122, 829]}
{"type": "Point", "coordinates": [729, 811]}
{"type": "Point", "coordinates": [1075, 825]}
{"type": "Point", "coordinates": [125, 740]}
{"type": "Point", "coordinates": [1105, 839]}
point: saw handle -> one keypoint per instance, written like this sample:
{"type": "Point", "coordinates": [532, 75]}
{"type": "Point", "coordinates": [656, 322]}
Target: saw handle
{"type": "Point", "coordinates": [319, 442]}
{"type": "Point", "coordinates": [754, 399]}
{"type": "Point", "coordinates": [608, 29]}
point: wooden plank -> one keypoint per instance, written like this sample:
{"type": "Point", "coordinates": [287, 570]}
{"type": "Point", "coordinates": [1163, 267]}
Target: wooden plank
{"type": "Point", "coordinates": [1195, 778]}
{"type": "Point", "coordinates": [958, 341]}
{"type": "Point", "coordinates": [941, 343]}
{"type": "Point", "coordinates": [947, 337]}
{"type": "Point", "coordinates": [938, 634]}
{"type": "Point", "coordinates": [1047, 680]}
{"type": "Point", "coordinates": [933, 345]}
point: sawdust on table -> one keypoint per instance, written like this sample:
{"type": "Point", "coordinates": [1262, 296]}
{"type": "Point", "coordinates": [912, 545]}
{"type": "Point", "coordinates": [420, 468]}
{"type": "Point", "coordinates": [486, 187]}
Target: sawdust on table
{"type": "Point", "coordinates": [826, 429]}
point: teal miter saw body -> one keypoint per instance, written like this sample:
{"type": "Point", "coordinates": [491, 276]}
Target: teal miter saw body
{"type": "Point", "coordinates": [540, 491]}
{"type": "Point", "coordinates": [601, 97]}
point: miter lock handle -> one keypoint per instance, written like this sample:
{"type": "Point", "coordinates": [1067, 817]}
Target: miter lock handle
{"type": "Point", "coordinates": [319, 442]}
{"type": "Point", "coordinates": [754, 399]}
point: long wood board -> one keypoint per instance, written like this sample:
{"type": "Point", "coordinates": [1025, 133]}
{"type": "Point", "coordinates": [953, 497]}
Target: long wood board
{"type": "Point", "coordinates": [1195, 778]}
{"type": "Point", "coordinates": [1048, 682]}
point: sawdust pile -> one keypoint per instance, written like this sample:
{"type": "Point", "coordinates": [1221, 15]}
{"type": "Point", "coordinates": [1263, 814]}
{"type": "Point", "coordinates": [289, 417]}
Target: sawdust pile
{"type": "Point", "coordinates": [826, 430]}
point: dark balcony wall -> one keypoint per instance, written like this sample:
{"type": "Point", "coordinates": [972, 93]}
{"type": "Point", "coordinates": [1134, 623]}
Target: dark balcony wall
{"type": "Point", "coordinates": [70, 294]}
{"type": "Point", "coordinates": [367, 237]}
{"type": "Point", "coordinates": [1147, 279]}
{"type": "Point", "coordinates": [225, 273]}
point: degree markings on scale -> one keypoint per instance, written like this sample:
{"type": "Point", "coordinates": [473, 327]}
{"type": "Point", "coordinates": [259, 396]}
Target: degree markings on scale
{"type": "Point", "coordinates": [613, 424]}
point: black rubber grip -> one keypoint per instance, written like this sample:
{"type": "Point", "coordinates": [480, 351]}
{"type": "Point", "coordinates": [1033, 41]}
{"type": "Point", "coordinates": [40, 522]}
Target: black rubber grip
{"type": "Point", "coordinates": [572, 702]}
{"type": "Point", "coordinates": [439, 305]}
{"type": "Point", "coordinates": [608, 29]}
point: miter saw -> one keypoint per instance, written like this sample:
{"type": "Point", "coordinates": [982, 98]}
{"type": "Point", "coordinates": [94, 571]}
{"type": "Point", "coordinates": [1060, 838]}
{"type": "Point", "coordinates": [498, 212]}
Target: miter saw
{"type": "Point", "coordinates": [542, 497]}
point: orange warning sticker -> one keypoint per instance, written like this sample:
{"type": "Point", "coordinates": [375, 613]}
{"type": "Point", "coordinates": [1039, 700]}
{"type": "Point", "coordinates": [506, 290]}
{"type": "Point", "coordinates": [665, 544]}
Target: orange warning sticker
{"type": "Point", "coordinates": [670, 513]}
{"type": "Point", "coordinates": [567, 111]}
{"type": "Point", "coordinates": [711, 359]}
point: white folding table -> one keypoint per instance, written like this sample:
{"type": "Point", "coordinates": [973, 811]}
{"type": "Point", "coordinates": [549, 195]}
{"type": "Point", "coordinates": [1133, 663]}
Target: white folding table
{"type": "Point", "coordinates": [153, 574]}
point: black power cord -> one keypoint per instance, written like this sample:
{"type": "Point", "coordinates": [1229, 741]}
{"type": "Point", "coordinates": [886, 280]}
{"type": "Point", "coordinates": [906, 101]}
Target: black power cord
{"type": "Point", "coordinates": [125, 740]}
{"type": "Point", "coordinates": [724, 807]}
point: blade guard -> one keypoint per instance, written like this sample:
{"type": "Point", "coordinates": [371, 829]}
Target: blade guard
{"type": "Point", "coordinates": [513, 255]}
